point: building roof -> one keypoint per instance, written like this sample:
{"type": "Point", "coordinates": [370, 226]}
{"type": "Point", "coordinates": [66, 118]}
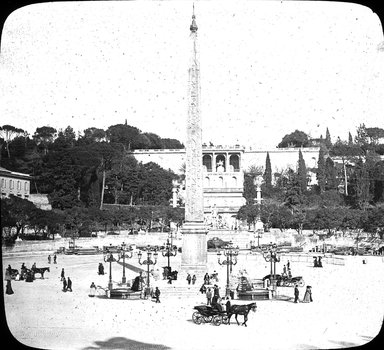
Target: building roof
{"type": "Point", "coordinates": [9, 173]}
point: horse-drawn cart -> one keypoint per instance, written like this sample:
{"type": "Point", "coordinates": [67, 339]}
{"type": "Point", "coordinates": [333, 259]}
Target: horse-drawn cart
{"type": "Point", "coordinates": [285, 281]}
{"type": "Point", "coordinates": [207, 314]}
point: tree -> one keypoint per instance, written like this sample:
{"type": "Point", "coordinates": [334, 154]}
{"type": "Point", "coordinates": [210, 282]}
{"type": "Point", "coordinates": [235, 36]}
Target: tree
{"type": "Point", "coordinates": [94, 135]}
{"type": "Point", "coordinates": [44, 136]}
{"type": "Point", "coordinates": [268, 173]}
{"type": "Point", "coordinates": [124, 134]}
{"type": "Point", "coordinates": [328, 142]}
{"type": "Point", "coordinates": [302, 173]}
{"type": "Point", "coordinates": [330, 175]}
{"type": "Point", "coordinates": [350, 139]}
{"type": "Point", "coordinates": [294, 139]}
{"type": "Point", "coordinates": [8, 133]}
{"type": "Point", "coordinates": [320, 174]}
{"type": "Point", "coordinates": [359, 187]}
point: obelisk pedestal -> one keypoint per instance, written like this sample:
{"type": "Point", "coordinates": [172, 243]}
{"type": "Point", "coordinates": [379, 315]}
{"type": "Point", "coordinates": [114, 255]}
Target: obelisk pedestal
{"type": "Point", "coordinates": [194, 249]}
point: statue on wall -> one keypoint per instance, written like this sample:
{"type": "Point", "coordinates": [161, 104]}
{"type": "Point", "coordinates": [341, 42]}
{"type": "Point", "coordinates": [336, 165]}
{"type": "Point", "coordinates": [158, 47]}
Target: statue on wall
{"type": "Point", "coordinates": [220, 166]}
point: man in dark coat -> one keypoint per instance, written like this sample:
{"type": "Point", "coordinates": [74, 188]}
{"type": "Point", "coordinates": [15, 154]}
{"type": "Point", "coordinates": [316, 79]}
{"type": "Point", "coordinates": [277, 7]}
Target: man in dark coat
{"type": "Point", "coordinates": [69, 285]}
{"type": "Point", "coordinates": [228, 306]}
{"type": "Point", "coordinates": [64, 285]}
{"type": "Point", "coordinates": [157, 294]}
{"type": "Point", "coordinates": [101, 269]}
{"type": "Point", "coordinates": [62, 274]}
{"type": "Point", "coordinates": [216, 291]}
{"type": "Point", "coordinates": [296, 294]}
{"type": "Point", "coordinates": [55, 259]}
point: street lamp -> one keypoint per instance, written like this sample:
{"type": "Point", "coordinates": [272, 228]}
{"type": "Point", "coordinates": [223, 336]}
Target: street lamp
{"type": "Point", "coordinates": [169, 251]}
{"type": "Point", "coordinates": [271, 255]}
{"type": "Point", "coordinates": [231, 259]}
{"type": "Point", "coordinates": [124, 253]}
{"type": "Point", "coordinates": [108, 257]}
{"type": "Point", "coordinates": [148, 262]}
{"type": "Point", "coordinates": [258, 225]}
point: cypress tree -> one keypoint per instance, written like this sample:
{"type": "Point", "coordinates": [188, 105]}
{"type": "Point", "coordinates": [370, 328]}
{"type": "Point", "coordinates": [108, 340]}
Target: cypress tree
{"type": "Point", "coordinates": [328, 141]}
{"type": "Point", "coordinates": [320, 176]}
{"type": "Point", "coordinates": [268, 172]}
{"type": "Point", "coordinates": [350, 139]}
{"type": "Point", "coordinates": [302, 172]}
{"type": "Point", "coordinates": [330, 175]}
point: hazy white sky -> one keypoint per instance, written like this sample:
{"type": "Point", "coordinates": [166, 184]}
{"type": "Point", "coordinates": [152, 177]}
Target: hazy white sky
{"type": "Point", "coordinates": [267, 67]}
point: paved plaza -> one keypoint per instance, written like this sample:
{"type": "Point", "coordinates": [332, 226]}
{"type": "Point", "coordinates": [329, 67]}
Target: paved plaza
{"type": "Point", "coordinates": [347, 309]}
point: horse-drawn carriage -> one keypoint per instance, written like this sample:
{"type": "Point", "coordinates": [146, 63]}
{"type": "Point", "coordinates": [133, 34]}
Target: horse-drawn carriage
{"type": "Point", "coordinates": [207, 314]}
{"type": "Point", "coordinates": [285, 281]}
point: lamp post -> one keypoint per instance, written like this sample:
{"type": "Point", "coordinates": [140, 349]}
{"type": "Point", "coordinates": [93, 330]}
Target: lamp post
{"type": "Point", "coordinates": [148, 262]}
{"type": "Point", "coordinates": [124, 253]}
{"type": "Point", "coordinates": [231, 259]}
{"type": "Point", "coordinates": [108, 257]}
{"type": "Point", "coordinates": [169, 251]}
{"type": "Point", "coordinates": [258, 226]}
{"type": "Point", "coordinates": [272, 256]}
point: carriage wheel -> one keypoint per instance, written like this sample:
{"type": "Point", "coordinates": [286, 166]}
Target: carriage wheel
{"type": "Point", "coordinates": [216, 320]}
{"type": "Point", "coordinates": [196, 317]}
{"type": "Point", "coordinates": [225, 319]}
{"type": "Point", "coordinates": [301, 283]}
{"type": "Point", "coordinates": [207, 319]}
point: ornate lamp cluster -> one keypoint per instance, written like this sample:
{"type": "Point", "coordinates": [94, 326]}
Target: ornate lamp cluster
{"type": "Point", "coordinates": [230, 254]}
{"type": "Point", "coordinates": [271, 255]}
{"type": "Point", "coordinates": [148, 261]}
{"type": "Point", "coordinates": [169, 251]}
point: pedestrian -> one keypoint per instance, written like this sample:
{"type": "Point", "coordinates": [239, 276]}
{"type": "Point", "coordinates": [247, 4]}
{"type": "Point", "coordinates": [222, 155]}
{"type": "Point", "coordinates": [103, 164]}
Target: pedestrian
{"type": "Point", "coordinates": [228, 306]}
{"type": "Point", "coordinates": [203, 289]}
{"type": "Point", "coordinates": [216, 291]}
{"type": "Point", "coordinates": [157, 294]}
{"type": "Point", "coordinates": [296, 293]}
{"type": "Point", "coordinates": [101, 269]}
{"type": "Point", "coordinates": [49, 258]}
{"type": "Point", "coordinates": [193, 279]}
{"type": "Point", "coordinates": [284, 270]}
{"type": "Point", "coordinates": [206, 278]}
{"type": "Point", "coordinates": [64, 285]}
{"type": "Point", "coordinates": [289, 274]}
{"type": "Point", "coordinates": [315, 263]}
{"type": "Point", "coordinates": [189, 279]}
{"type": "Point", "coordinates": [62, 274]}
{"type": "Point", "coordinates": [69, 285]}
{"type": "Point", "coordinates": [308, 295]}
{"type": "Point", "coordinates": [209, 296]}
{"type": "Point", "coordinates": [55, 259]}
{"type": "Point", "coordinates": [9, 289]}
{"type": "Point", "coordinates": [319, 263]}
{"type": "Point", "coordinates": [92, 290]}
{"type": "Point", "coordinates": [288, 265]}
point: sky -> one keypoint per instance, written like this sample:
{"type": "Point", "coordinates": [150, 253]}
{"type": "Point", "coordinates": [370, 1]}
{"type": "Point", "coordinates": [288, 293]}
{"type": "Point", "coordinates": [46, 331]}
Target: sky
{"type": "Point", "coordinates": [267, 68]}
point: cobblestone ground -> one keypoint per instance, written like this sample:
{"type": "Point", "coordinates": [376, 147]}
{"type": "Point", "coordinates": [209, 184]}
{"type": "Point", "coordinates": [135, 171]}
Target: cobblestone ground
{"type": "Point", "coordinates": [347, 309]}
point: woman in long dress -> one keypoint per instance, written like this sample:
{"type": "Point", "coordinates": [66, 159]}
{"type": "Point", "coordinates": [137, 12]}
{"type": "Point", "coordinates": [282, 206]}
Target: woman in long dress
{"type": "Point", "coordinates": [92, 290]}
{"type": "Point", "coordinates": [308, 295]}
{"type": "Point", "coordinates": [9, 287]}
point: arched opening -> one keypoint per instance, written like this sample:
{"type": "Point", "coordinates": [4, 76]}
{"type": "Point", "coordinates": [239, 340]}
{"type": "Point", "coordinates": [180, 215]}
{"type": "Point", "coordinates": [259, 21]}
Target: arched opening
{"type": "Point", "coordinates": [207, 163]}
{"type": "Point", "coordinates": [207, 181]}
{"type": "Point", "coordinates": [220, 163]}
{"type": "Point", "coordinates": [234, 163]}
{"type": "Point", "coordinates": [234, 182]}
{"type": "Point", "coordinates": [221, 181]}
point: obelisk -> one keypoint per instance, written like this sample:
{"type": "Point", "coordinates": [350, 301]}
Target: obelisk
{"type": "Point", "coordinates": [194, 250]}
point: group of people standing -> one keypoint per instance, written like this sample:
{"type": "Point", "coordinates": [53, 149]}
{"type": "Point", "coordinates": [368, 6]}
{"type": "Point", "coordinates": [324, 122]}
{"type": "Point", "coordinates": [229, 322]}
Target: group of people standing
{"type": "Point", "coordinates": [54, 259]}
{"type": "Point", "coordinates": [191, 279]}
{"type": "Point", "coordinates": [317, 262]}
{"type": "Point", "coordinates": [67, 282]}
{"type": "Point", "coordinates": [307, 296]}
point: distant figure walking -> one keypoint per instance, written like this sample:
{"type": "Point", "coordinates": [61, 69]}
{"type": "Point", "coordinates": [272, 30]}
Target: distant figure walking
{"type": "Point", "coordinates": [69, 285]}
{"type": "Point", "coordinates": [289, 273]}
{"type": "Point", "coordinates": [9, 289]}
{"type": "Point", "coordinates": [284, 270]}
{"type": "Point", "coordinates": [189, 279]}
{"type": "Point", "coordinates": [64, 285]}
{"type": "Point", "coordinates": [228, 306]}
{"type": "Point", "coordinates": [55, 259]}
{"type": "Point", "coordinates": [288, 265]}
{"type": "Point", "coordinates": [206, 278]}
{"type": "Point", "coordinates": [92, 290]}
{"type": "Point", "coordinates": [315, 263]}
{"type": "Point", "coordinates": [62, 274]}
{"type": "Point", "coordinates": [49, 259]}
{"type": "Point", "coordinates": [296, 293]}
{"type": "Point", "coordinates": [319, 263]}
{"type": "Point", "coordinates": [101, 269]}
{"type": "Point", "coordinates": [216, 291]}
{"type": "Point", "coordinates": [209, 296]}
{"type": "Point", "coordinates": [193, 279]}
{"type": "Point", "coordinates": [33, 266]}
{"type": "Point", "coordinates": [308, 295]}
{"type": "Point", "coordinates": [157, 295]}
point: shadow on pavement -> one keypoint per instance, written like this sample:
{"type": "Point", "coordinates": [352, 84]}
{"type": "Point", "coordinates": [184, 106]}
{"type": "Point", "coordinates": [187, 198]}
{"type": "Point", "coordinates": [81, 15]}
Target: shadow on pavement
{"type": "Point", "coordinates": [125, 343]}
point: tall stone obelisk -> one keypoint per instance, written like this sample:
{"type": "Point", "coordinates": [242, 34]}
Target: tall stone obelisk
{"type": "Point", "coordinates": [194, 250]}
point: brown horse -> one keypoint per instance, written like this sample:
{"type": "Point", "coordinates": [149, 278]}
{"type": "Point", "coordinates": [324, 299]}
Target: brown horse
{"type": "Point", "coordinates": [40, 270]}
{"type": "Point", "coordinates": [241, 310]}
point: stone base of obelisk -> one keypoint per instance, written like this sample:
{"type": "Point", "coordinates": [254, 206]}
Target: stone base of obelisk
{"type": "Point", "coordinates": [194, 249]}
